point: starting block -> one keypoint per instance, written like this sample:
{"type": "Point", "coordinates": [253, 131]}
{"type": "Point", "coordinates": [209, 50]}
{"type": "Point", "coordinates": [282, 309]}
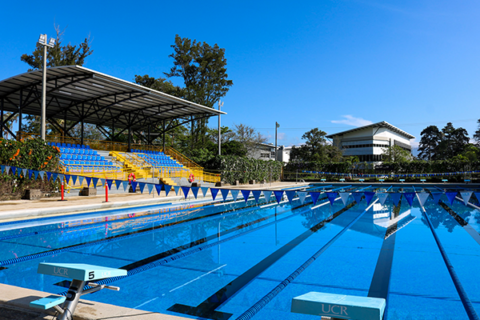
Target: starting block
{"type": "Point", "coordinates": [381, 180]}
{"type": "Point", "coordinates": [361, 180]}
{"type": "Point", "coordinates": [342, 180]}
{"type": "Point", "coordinates": [444, 180]}
{"type": "Point", "coordinates": [339, 306]}
{"type": "Point", "coordinates": [323, 180]}
{"type": "Point", "coordinates": [80, 274]}
{"type": "Point", "coordinates": [423, 180]}
{"type": "Point", "coordinates": [402, 180]}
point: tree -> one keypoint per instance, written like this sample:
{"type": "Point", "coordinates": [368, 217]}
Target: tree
{"type": "Point", "coordinates": [396, 154]}
{"type": "Point", "coordinates": [204, 73]}
{"type": "Point", "coordinates": [316, 148]}
{"type": "Point", "coordinates": [160, 84]}
{"type": "Point", "coordinates": [59, 55]}
{"type": "Point", "coordinates": [248, 137]}
{"type": "Point", "coordinates": [476, 136]}
{"type": "Point", "coordinates": [453, 142]}
{"type": "Point", "coordinates": [428, 147]}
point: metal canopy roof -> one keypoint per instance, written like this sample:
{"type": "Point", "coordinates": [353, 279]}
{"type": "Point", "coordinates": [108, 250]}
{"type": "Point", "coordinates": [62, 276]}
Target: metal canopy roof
{"type": "Point", "coordinates": [80, 94]}
{"type": "Point", "coordinates": [382, 124]}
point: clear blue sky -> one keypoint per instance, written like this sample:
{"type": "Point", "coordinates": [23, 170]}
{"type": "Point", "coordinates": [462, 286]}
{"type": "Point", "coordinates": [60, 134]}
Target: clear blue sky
{"type": "Point", "coordinates": [306, 64]}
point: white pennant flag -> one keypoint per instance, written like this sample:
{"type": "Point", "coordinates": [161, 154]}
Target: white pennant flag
{"type": "Point", "coordinates": [344, 196]}
{"type": "Point", "coordinates": [267, 195]}
{"type": "Point", "coordinates": [301, 196]}
{"type": "Point", "coordinates": [382, 197]}
{"type": "Point", "coordinates": [466, 196]}
{"type": "Point", "coordinates": [423, 196]}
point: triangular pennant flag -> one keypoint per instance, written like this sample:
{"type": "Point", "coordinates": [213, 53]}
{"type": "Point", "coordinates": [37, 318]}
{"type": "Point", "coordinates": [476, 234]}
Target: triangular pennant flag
{"type": "Point", "coordinates": [125, 185]}
{"type": "Point", "coordinates": [185, 191]}
{"type": "Point", "coordinates": [88, 181]}
{"type": "Point", "coordinates": [278, 195]}
{"type": "Point", "coordinates": [167, 188]}
{"type": "Point", "coordinates": [49, 175]}
{"type": "Point", "coordinates": [395, 197]}
{"type": "Point", "coordinates": [246, 194]}
{"type": "Point", "coordinates": [224, 194]}
{"type": "Point", "coordinates": [35, 173]}
{"type": "Point", "coordinates": [158, 187]}
{"type": "Point", "coordinates": [80, 179]}
{"type": "Point", "coordinates": [134, 185]}
{"type": "Point", "coordinates": [290, 195]}
{"type": "Point", "coordinates": [67, 178]}
{"type": "Point", "coordinates": [369, 196]}
{"type": "Point", "coordinates": [30, 173]}
{"type": "Point", "coordinates": [42, 174]}
{"type": "Point", "coordinates": [109, 184]}
{"type": "Point", "coordinates": [214, 192]}
{"type": "Point", "coordinates": [204, 191]}
{"type": "Point", "coordinates": [150, 188]}
{"type": "Point", "coordinates": [195, 191]}
{"type": "Point", "coordinates": [19, 172]}
{"type": "Point", "coordinates": [331, 197]}
{"type": "Point", "coordinates": [451, 196]}
{"type": "Point", "coordinates": [142, 186]}
{"type": "Point", "coordinates": [7, 169]}
{"type": "Point", "coordinates": [2, 168]}
{"type": "Point", "coordinates": [301, 196]}
{"type": "Point", "coordinates": [382, 197]}
{"type": "Point", "coordinates": [344, 196]}
{"type": "Point", "coordinates": [176, 189]}
{"type": "Point", "coordinates": [357, 196]}
{"type": "Point", "coordinates": [24, 172]}
{"type": "Point", "coordinates": [102, 182]}
{"type": "Point", "coordinates": [118, 183]}
{"type": "Point", "coordinates": [54, 177]}
{"type": "Point", "coordinates": [60, 176]}
{"type": "Point", "coordinates": [95, 181]}
{"type": "Point", "coordinates": [477, 195]}
{"type": "Point", "coordinates": [466, 196]}
{"type": "Point", "coordinates": [14, 170]}
{"type": "Point", "coordinates": [314, 196]}
{"type": "Point", "coordinates": [436, 196]}
{"type": "Point", "coordinates": [267, 194]}
{"type": "Point", "coordinates": [409, 196]}
{"type": "Point", "coordinates": [256, 194]}
{"type": "Point", "coordinates": [234, 194]}
{"type": "Point", "coordinates": [422, 197]}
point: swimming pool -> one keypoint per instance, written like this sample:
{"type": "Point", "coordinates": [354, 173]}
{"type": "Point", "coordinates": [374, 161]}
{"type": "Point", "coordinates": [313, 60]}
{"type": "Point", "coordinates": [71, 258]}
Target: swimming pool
{"type": "Point", "coordinates": [236, 259]}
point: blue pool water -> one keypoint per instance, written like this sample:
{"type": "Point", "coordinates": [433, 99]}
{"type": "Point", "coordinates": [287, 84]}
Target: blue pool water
{"type": "Point", "coordinates": [216, 260]}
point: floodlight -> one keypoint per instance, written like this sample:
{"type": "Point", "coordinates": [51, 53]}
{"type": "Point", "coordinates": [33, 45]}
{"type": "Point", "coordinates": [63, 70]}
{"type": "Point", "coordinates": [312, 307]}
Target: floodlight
{"type": "Point", "coordinates": [51, 43]}
{"type": "Point", "coordinates": [42, 39]}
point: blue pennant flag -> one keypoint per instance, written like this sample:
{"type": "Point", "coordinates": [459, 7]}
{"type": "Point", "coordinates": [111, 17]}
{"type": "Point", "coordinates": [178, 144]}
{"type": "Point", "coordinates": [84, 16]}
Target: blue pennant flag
{"type": "Point", "coordinates": [477, 195]}
{"type": "Point", "coordinates": [176, 189]}
{"type": "Point", "coordinates": [14, 170]}
{"type": "Point", "coordinates": [80, 179]}
{"type": "Point", "coordinates": [234, 194]}
{"type": "Point", "coordinates": [150, 188]}
{"type": "Point", "coordinates": [395, 198]}
{"type": "Point", "coordinates": [67, 178]}
{"type": "Point", "coordinates": [290, 195]}
{"type": "Point", "coordinates": [185, 191]}
{"type": "Point", "coordinates": [224, 193]}
{"type": "Point", "coordinates": [49, 175]}
{"type": "Point", "coordinates": [102, 182]}
{"type": "Point", "coordinates": [95, 181]}
{"type": "Point", "coordinates": [331, 197]}
{"type": "Point", "coordinates": [195, 191]}
{"type": "Point", "coordinates": [109, 184]}
{"type": "Point", "coordinates": [24, 172]}
{"type": "Point", "coordinates": [409, 196]}
{"type": "Point", "coordinates": [315, 196]}
{"type": "Point", "coordinates": [256, 195]}
{"type": "Point", "coordinates": [142, 186]}
{"type": "Point", "coordinates": [246, 194]}
{"type": "Point", "coordinates": [204, 191]}
{"type": "Point", "coordinates": [301, 196]}
{"type": "Point", "coordinates": [167, 188]}
{"type": "Point", "coordinates": [451, 196]}
{"type": "Point", "coordinates": [436, 196]}
{"type": "Point", "coordinates": [19, 172]}
{"type": "Point", "coordinates": [357, 196]}
{"type": "Point", "coordinates": [74, 179]}
{"type": "Point", "coordinates": [54, 177]}
{"type": "Point", "coordinates": [214, 192]}
{"type": "Point", "coordinates": [35, 174]}
{"type": "Point", "coordinates": [369, 196]}
{"type": "Point", "coordinates": [267, 194]}
{"type": "Point", "coordinates": [158, 187]}
{"type": "Point", "coordinates": [118, 183]}
{"type": "Point", "coordinates": [278, 195]}
{"type": "Point", "coordinates": [2, 168]}
{"type": "Point", "coordinates": [134, 185]}
{"type": "Point", "coordinates": [61, 176]}
{"type": "Point", "coordinates": [466, 196]}
{"type": "Point", "coordinates": [88, 179]}
{"type": "Point", "coordinates": [382, 197]}
{"type": "Point", "coordinates": [125, 185]}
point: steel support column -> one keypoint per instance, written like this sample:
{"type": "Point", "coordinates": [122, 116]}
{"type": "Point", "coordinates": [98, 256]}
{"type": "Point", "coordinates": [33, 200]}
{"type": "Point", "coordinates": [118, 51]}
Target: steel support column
{"type": "Point", "coordinates": [163, 136]}
{"type": "Point", "coordinates": [20, 115]}
{"type": "Point", "coordinates": [129, 132]}
{"type": "Point", "coordinates": [82, 124]}
{"type": "Point", "coordinates": [148, 136]}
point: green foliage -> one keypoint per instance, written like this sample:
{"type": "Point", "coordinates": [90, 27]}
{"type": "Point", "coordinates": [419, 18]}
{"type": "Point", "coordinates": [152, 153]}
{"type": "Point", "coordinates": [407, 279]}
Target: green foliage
{"type": "Point", "coordinates": [396, 154]}
{"type": "Point", "coordinates": [316, 149]}
{"type": "Point", "coordinates": [476, 136]}
{"type": "Point", "coordinates": [160, 84]}
{"type": "Point", "coordinates": [444, 144]}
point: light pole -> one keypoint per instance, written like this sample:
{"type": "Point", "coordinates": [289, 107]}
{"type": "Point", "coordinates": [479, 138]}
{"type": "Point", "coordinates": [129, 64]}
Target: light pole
{"type": "Point", "coordinates": [43, 41]}
{"type": "Point", "coordinates": [220, 104]}
{"type": "Point", "coordinates": [277, 125]}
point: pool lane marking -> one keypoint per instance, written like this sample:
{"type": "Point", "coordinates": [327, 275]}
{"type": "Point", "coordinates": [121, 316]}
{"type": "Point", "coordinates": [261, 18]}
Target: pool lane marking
{"type": "Point", "coordinates": [140, 305]}
{"type": "Point", "coordinates": [462, 222]}
{"type": "Point", "coordinates": [207, 309]}
{"type": "Point", "coordinates": [253, 310]}
{"type": "Point", "coordinates": [197, 278]}
{"type": "Point", "coordinates": [467, 304]}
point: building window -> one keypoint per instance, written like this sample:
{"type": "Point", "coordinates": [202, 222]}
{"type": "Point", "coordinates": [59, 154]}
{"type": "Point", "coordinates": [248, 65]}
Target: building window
{"type": "Point", "coordinates": [264, 155]}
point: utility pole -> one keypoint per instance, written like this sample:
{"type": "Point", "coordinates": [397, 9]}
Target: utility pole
{"type": "Point", "coordinates": [276, 127]}
{"type": "Point", "coordinates": [220, 105]}
{"type": "Point", "coordinates": [43, 41]}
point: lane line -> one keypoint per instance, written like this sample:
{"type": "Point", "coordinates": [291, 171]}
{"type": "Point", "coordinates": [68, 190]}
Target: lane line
{"type": "Point", "coordinates": [193, 280]}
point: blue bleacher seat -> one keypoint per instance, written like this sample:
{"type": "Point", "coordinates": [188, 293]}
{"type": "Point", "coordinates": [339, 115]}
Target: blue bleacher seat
{"type": "Point", "coordinates": [69, 145]}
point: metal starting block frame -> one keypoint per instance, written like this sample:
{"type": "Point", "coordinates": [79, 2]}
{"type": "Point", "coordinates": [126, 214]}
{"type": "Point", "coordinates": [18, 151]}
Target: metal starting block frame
{"type": "Point", "coordinates": [80, 275]}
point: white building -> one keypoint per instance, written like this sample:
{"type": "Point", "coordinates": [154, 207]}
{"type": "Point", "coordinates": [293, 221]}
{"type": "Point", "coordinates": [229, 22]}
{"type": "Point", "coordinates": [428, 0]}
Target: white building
{"type": "Point", "coordinates": [368, 142]}
{"type": "Point", "coordinates": [266, 151]}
